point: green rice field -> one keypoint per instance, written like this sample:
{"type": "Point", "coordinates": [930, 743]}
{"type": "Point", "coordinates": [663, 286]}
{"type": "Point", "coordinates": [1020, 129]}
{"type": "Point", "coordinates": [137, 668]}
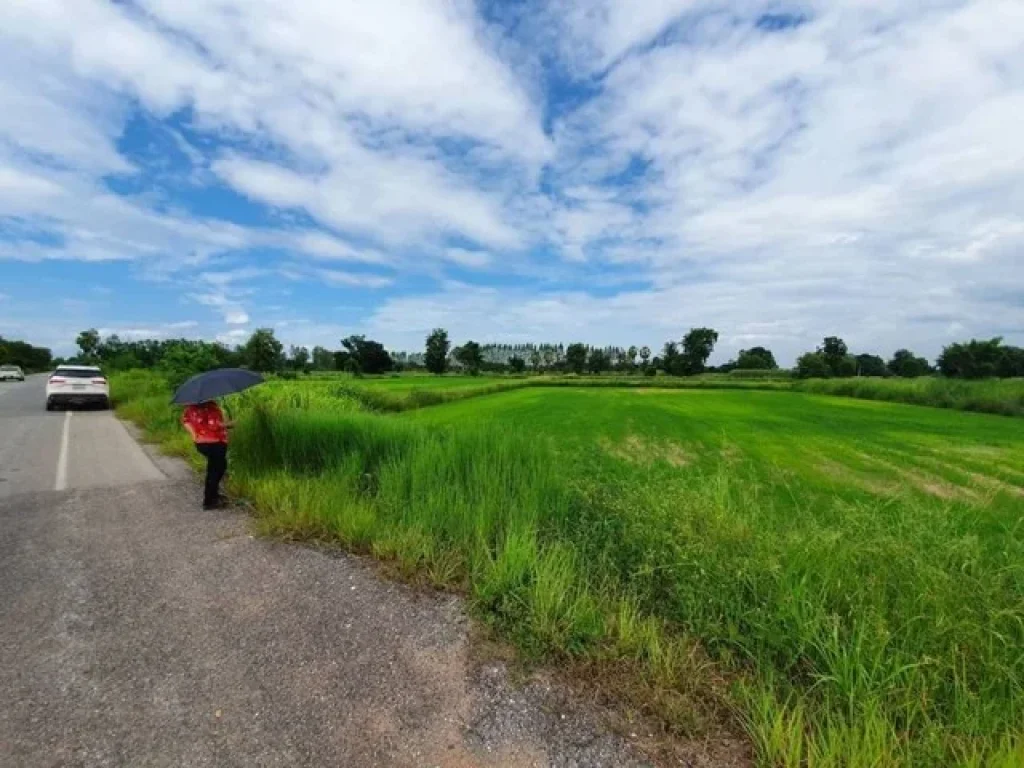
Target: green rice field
{"type": "Point", "coordinates": [839, 581]}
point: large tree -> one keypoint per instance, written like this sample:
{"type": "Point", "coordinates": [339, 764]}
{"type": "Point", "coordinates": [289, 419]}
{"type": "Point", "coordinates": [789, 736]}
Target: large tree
{"type": "Point", "coordinates": [516, 364]}
{"type": "Point", "coordinates": [436, 357]}
{"type": "Point", "coordinates": [471, 357]}
{"type": "Point", "coordinates": [89, 342]}
{"type": "Point", "coordinates": [756, 358]}
{"type": "Point", "coordinates": [598, 361]}
{"type": "Point", "coordinates": [833, 349]}
{"type": "Point", "coordinates": [698, 345]}
{"type": "Point", "coordinates": [812, 365]}
{"type": "Point", "coordinates": [366, 355]}
{"type": "Point", "coordinates": [671, 359]}
{"type": "Point", "coordinates": [871, 365]}
{"type": "Point", "coordinates": [263, 352]}
{"type": "Point", "coordinates": [981, 359]}
{"type": "Point", "coordinates": [908, 365]}
{"type": "Point", "coordinates": [576, 357]}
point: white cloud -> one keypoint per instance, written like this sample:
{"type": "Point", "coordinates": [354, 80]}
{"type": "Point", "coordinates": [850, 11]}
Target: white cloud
{"type": "Point", "coordinates": [321, 246]}
{"type": "Point", "coordinates": [467, 258]}
{"type": "Point", "coordinates": [224, 296]}
{"type": "Point", "coordinates": [233, 337]}
{"type": "Point", "coordinates": [845, 173]}
{"type": "Point", "coordinates": [337, 277]}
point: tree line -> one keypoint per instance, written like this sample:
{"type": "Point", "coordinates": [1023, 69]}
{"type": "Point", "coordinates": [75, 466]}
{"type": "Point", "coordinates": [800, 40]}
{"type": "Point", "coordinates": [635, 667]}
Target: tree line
{"type": "Point", "coordinates": [24, 355]}
{"type": "Point", "coordinates": [356, 354]}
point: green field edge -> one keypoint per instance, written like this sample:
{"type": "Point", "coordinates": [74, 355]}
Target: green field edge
{"type": "Point", "coordinates": [996, 397]}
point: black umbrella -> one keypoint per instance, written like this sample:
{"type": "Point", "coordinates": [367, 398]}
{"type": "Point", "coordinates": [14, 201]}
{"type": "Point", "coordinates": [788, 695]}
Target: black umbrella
{"type": "Point", "coordinates": [214, 384]}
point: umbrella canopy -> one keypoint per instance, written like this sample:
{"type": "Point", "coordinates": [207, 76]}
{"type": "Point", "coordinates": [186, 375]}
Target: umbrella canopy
{"type": "Point", "coordinates": [214, 384]}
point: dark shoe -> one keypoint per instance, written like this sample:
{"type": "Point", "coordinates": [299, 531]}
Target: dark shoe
{"type": "Point", "coordinates": [218, 504]}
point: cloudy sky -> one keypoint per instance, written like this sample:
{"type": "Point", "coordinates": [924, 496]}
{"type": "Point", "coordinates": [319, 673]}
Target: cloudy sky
{"type": "Point", "coordinates": [609, 171]}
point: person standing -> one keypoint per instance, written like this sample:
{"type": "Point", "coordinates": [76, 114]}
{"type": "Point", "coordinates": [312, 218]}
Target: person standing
{"type": "Point", "coordinates": [205, 423]}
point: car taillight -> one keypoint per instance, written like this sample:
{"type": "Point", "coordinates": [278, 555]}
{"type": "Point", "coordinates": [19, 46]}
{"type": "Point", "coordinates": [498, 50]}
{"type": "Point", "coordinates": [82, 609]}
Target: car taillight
{"type": "Point", "coordinates": [99, 381]}
{"type": "Point", "coordinates": [56, 380]}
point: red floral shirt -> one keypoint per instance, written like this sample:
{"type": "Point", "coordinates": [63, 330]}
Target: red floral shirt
{"type": "Point", "coordinates": [205, 423]}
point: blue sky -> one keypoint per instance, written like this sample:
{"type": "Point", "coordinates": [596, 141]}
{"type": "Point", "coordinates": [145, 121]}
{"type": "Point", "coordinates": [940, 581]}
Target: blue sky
{"type": "Point", "coordinates": [610, 172]}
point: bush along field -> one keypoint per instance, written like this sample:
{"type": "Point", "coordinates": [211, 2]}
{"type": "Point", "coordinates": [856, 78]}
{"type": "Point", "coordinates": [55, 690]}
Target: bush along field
{"type": "Point", "coordinates": [842, 579]}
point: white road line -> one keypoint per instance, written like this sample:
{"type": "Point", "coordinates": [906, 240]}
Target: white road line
{"type": "Point", "coordinates": [62, 460]}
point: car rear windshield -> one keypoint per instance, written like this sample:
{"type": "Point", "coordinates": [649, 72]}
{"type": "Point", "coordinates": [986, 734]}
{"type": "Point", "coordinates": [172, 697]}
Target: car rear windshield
{"type": "Point", "coordinates": [78, 373]}
{"type": "Point", "coordinates": [9, 368]}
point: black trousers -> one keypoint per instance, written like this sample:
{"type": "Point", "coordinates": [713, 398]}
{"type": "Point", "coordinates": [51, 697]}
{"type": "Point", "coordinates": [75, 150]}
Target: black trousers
{"type": "Point", "coordinates": [216, 465]}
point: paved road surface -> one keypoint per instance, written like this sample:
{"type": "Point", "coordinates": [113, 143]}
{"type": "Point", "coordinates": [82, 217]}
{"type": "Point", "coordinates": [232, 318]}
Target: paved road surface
{"type": "Point", "coordinates": [137, 630]}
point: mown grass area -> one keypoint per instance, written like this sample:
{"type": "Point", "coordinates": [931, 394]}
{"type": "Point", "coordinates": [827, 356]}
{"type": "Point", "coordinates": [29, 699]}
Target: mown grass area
{"type": "Point", "coordinates": [844, 578]}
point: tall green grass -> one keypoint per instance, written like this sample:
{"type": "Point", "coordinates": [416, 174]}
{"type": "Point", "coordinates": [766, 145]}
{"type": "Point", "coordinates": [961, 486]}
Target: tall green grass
{"type": "Point", "coordinates": [999, 396]}
{"type": "Point", "coordinates": [835, 626]}
{"type": "Point", "coordinates": [393, 400]}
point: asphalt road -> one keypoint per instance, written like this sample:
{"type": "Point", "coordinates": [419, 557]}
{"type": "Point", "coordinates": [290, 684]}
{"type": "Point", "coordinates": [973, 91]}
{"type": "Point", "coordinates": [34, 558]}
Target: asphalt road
{"type": "Point", "coordinates": [138, 630]}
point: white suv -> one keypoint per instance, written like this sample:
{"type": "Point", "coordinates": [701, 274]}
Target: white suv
{"type": "Point", "coordinates": [77, 385]}
{"type": "Point", "coordinates": [11, 373]}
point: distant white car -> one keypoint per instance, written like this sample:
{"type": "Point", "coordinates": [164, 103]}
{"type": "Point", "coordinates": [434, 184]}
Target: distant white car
{"type": "Point", "coordinates": [11, 373]}
{"type": "Point", "coordinates": [77, 385]}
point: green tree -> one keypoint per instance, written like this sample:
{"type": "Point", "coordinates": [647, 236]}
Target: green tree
{"type": "Point", "coordinates": [980, 359]}
{"type": "Point", "coordinates": [908, 365]}
{"type": "Point", "coordinates": [182, 359]}
{"type": "Point", "coordinates": [846, 368]}
{"type": "Point", "coordinates": [516, 364]}
{"type": "Point", "coordinates": [88, 341]}
{"type": "Point", "coordinates": [366, 356]}
{"type": "Point", "coordinates": [671, 359]}
{"type": "Point", "coordinates": [436, 357]}
{"type": "Point", "coordinates": [25, 355]}
{"type": "Point", "coordinates": [645, 355]}
{"type": "Point", "coordinates": [812, 365]}
{"type": "Point", "coordinates": [576, 357]}
{"type": "Point", "coordinates": [598, 361]}
{"type": "Point", "coordinates": [757, 359]}
{"type": "Point", "coordinates": [470, 356]}
{"type": "Point", "coordinates": [263, 352]}
{"type": "Point", "coordinates": [698, 345]}
{"type": "Point", "coordinates": [323, 359]}
{"type": "Point", "coordinates": [871, 365]}
{"type": "Point", "coordinates": [833, 349]}
{"type": "Point", "coordinates": [1011, 364]}
{"type": "Point", "coordinates": [299, 358]}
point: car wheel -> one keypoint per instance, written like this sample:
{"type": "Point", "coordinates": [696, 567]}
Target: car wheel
{"type": "Point", "coordinates": [49, 405]}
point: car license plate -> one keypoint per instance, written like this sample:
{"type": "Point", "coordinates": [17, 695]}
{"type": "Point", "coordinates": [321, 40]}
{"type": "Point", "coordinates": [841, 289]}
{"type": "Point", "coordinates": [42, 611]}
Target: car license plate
{"type": "Point", "coordinates": [78, 386]}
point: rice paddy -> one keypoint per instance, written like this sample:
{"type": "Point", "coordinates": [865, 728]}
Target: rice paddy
{"type": "Point", "coordinates": [840, 579]}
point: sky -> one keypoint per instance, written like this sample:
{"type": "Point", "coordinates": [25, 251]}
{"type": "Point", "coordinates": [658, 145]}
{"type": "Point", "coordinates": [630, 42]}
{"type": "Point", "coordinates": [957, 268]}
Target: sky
{"type": "Point", "coordinates": [612, 172]}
